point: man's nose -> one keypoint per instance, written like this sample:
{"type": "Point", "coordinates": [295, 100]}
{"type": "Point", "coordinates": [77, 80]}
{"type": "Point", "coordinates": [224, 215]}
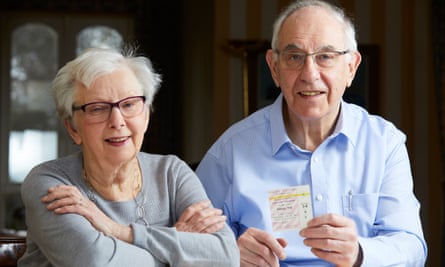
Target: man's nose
{"type": "Point", "coordinates": [309, 71]}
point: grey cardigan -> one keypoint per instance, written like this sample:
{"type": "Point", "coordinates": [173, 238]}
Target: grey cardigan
{"type": "Point", "coordinates": [169, 187]}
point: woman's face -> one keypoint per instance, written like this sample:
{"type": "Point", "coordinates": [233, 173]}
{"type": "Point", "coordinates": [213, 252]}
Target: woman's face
{"type": "Point", "coordinates": [313, 92]}
{"type": "Point", "coordinates": [118, 139]}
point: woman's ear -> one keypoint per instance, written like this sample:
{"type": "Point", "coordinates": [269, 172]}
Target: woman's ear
{"type": "Point", "coordinates": [72, 131]}
{"type": "Point", "coordinates": [147, 118]}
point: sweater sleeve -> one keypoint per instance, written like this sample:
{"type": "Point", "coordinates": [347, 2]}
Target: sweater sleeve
{"type": "Point", "coordinates": [69, 239]}
{"type": "Point", "coordinates": [183, 248]}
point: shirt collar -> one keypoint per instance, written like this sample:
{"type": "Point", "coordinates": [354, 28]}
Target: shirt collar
{"type": "Point", "coordinates": [346, 124]}
{"type": "Point", "coordinates": [278, 131]}
{"type": "Point", "coordinates": [348, 121]}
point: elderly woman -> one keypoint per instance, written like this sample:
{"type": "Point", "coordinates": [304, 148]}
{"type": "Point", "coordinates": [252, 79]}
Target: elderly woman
{"type": "Point", "coordinates": [110, 204]}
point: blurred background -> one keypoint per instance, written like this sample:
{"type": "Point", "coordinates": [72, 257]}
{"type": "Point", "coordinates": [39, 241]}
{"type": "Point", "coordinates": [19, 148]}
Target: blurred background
{"type": "Point", "coordinates": [211, 56]}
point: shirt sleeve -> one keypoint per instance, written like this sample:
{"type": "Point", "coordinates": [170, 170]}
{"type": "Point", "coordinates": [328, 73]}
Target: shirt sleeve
{"type": "Point", "coordinates": [69, 239]}
{"type": "Point", "coordinates": [190, 249]}
{"type": "Point", "coordinates": [212, 175]}
{"type": "Point", "coordinates": [398, 239]}
{"type": "Point", "coordinates": [212, 172]}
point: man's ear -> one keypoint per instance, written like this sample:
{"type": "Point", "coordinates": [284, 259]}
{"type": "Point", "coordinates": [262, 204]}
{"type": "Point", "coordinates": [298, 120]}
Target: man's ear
{"type": "Point", "coordinates": [272, 63]}
{"type": "Point", "coordinates": [353, 64]}
{"type": "Point", "coordinates": [72, 131]}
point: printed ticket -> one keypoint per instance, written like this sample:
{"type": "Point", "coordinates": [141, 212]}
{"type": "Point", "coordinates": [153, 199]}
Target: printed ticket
{"type": "Point", "coordinates": [290, 208]}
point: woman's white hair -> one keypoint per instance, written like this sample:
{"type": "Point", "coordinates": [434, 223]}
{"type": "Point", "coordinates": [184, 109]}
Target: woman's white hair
{"type": "Point", "coordinates": [336, 12]}
{"type": "Point", "coordinates": [95, 62]}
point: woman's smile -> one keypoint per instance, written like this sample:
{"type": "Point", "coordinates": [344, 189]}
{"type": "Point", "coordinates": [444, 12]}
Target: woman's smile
{"type": "Point", "coordinates": [117, 141]}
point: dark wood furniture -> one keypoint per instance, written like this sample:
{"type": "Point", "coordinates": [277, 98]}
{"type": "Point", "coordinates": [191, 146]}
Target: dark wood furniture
{"type": "Point", "coordinates": [11, 249]}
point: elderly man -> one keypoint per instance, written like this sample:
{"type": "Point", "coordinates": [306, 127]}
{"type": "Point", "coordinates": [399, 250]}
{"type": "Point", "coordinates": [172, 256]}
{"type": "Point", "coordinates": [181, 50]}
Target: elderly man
{"type": "Point", "coordinates": [348, 169]}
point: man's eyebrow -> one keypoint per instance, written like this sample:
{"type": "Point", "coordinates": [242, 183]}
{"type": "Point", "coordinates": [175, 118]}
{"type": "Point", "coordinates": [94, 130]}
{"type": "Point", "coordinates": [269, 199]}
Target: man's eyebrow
{"type": "Point", "coordinates": [327, 48]}
{"type": "Point", "coordinates": [293, 47]}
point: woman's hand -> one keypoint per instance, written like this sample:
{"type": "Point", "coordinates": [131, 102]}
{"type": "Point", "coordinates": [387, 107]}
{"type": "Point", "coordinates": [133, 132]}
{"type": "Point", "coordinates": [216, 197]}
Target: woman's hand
{"type": "Point", "coordinates": [201, 217]}
{"type": "Point", "coordinates": [63, 199]}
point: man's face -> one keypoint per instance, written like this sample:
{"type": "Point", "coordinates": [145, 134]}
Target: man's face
{"type": "Point", "coordinates": [312, 86]}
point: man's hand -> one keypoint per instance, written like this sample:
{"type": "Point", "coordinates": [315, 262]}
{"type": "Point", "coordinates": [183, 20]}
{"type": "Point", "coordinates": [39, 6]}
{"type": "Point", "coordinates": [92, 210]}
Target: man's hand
{"type": "Point", "coordinates": [333, 238]}
{"type": "Point", "coordinates": [201, 218]}
{"type": "Point", "coordinates": [259, 248]}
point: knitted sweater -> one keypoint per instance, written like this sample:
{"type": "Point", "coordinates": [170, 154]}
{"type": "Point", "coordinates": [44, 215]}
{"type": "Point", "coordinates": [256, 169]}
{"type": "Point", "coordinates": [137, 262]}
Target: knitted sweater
{"type": "Point", "coordinates": [169, 186]}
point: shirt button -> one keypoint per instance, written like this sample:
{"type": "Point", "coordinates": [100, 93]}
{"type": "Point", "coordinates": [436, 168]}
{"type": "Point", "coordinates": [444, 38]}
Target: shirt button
{"type": "Point", "coordinates": [315, 159]}
{"type": "Point", "coordinates": [319, 197]}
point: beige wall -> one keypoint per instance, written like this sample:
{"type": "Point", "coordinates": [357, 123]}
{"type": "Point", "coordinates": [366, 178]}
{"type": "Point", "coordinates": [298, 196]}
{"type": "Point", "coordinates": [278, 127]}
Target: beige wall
{"type": "Point", "coordinates": [401, 29]}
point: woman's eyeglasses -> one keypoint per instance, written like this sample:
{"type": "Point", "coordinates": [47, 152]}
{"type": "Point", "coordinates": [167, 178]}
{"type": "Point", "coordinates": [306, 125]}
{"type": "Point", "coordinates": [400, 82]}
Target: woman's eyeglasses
{"type": "Point", "coordinates": [96, 112]}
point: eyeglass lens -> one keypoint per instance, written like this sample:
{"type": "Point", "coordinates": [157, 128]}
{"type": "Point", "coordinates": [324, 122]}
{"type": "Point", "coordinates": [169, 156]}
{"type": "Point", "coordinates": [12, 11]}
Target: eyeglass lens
{"type": "Point", "coordinates": [324, 59]}
{"type": "Point", "coordinates": [100, 111]}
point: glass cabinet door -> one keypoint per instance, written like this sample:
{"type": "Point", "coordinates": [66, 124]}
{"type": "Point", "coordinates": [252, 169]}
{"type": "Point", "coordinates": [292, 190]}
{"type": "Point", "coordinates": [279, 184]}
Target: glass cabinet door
{"type": "Point", "coordinates": [30, 57]}
{"type": "Point", "coordinates": [33, 124]}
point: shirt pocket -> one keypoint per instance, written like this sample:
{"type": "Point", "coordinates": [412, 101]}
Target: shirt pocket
{"type": "Point", "coordinates": [362, 208]}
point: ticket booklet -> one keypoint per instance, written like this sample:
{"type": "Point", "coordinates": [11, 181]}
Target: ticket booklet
{"type": "Point", "coordinates": [290, 208]}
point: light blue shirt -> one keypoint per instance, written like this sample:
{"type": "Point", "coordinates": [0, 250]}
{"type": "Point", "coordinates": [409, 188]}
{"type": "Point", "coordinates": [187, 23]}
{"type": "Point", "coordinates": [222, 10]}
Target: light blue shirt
{"type": "Point", "coordinates": [361, 171]}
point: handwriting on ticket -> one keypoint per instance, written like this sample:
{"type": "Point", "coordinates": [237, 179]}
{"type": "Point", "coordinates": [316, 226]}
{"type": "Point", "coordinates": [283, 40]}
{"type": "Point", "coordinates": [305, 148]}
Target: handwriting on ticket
{"type": "Point", "coordinates": [290, 208]}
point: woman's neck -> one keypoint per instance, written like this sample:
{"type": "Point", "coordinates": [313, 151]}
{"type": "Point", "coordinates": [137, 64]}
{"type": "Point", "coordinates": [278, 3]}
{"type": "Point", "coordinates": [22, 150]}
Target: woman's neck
{"type": "Point", "coordinates": [118, 184]}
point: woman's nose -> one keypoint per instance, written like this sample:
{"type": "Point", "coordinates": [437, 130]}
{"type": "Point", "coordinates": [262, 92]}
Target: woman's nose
{"type": "Point", "coordinates": [116, 119]}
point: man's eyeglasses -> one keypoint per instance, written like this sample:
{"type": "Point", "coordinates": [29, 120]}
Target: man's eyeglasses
{"type": "Point", "coordinates": [96, 112]}
{"type": "Point", "coordinates": [323, 59]}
